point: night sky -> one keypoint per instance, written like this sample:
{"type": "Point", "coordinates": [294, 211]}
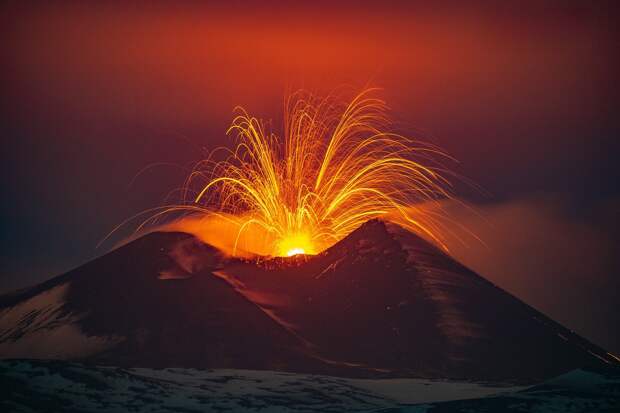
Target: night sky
{"type": "Point", "coordinates": [524, 96]}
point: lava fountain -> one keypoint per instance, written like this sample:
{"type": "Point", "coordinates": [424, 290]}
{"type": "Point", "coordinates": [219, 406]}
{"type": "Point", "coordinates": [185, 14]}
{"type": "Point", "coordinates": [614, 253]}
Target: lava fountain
{"type": "Point", "coordinates": [335, 166]}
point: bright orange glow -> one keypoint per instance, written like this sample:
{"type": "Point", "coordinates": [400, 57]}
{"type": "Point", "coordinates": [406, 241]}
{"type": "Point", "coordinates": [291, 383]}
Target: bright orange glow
{"type": "Point", "coordinates": [295, 244]}
{"type": "Point", "coordinates": [336, 166]}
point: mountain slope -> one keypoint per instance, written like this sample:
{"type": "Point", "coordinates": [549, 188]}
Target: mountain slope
{"type": "Point", "coordinates": [380, 303]}
{"type": "Point", "coordinates": [141, 306]}
{"type": "Point", "coordinates": [386, 300]}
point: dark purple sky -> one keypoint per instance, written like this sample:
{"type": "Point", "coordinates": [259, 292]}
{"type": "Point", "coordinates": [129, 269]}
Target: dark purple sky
{"type": "Point", "coordinates": [524, 95]}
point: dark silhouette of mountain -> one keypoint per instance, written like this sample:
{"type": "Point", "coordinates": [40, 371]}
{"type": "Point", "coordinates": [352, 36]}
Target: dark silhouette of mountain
{"type": "Point", "coordinates": [139, 306]}
{"type": "Point", "coordinates": [380, 303]}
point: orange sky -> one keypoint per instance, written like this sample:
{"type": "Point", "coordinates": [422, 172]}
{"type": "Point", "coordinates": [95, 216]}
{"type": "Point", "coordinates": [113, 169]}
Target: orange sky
{"type": "Point", "coordinates": [147, 61]}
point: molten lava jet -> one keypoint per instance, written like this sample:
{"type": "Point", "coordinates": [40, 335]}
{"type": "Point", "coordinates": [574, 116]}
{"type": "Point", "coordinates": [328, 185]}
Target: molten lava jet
{"type": "Point", "coordinates": [335, 166]}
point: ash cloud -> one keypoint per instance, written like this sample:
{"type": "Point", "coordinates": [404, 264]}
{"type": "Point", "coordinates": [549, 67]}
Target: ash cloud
{"type": "Point", "coordinates": [562, 264]}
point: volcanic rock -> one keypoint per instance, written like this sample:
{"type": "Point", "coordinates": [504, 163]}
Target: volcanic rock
{"type": "Point", "coordinates": [382, 302]}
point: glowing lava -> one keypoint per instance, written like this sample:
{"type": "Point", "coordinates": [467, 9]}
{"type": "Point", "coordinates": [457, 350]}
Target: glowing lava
{"type": "Point", "coordinates": [295, 244]}
{"type": "Point", "coordinates": [335, 166]}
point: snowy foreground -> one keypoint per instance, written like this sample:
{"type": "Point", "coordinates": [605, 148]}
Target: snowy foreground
{"type": "Point", "coordinates": [28, 385]}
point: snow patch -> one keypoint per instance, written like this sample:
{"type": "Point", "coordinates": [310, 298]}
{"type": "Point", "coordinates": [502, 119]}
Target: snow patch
{"type": "Point", "coordinates": [41, 327]}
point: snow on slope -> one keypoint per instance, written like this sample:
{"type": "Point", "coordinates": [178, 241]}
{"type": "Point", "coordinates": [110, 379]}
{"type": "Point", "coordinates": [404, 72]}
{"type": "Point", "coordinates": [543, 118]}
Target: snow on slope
{"type": "Point", "coordinates": [32, 386]}
{"type": "Point", "coordinates": [40, 327]}
{"type": "Point", "coordinates": [76, 387]}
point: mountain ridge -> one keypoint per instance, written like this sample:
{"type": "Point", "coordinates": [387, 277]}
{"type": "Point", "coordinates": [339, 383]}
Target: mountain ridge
{"type": "Point", "coordinates": [382, 302]}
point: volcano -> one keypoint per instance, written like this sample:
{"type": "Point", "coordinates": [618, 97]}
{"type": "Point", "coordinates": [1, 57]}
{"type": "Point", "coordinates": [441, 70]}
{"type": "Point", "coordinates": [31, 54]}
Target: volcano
{"type": "Point", "coordinates": [381, 303]}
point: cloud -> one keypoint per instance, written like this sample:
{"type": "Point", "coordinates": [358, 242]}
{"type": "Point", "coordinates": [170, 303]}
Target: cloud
{"type": "Point", "coordinates": [561, 264]}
